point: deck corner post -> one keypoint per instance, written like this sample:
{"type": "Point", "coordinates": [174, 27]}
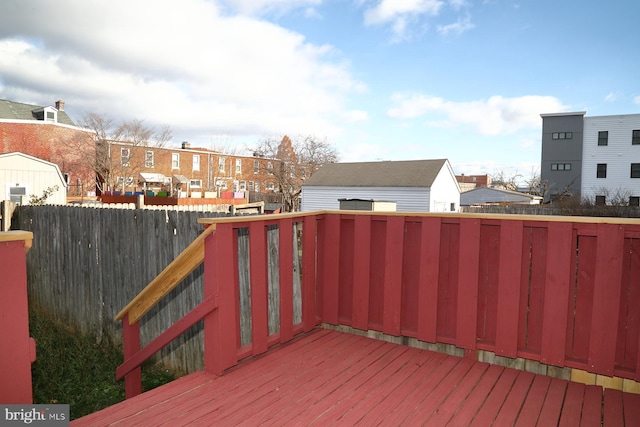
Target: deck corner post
{"type": "Point", "coordinates": [131, 345]}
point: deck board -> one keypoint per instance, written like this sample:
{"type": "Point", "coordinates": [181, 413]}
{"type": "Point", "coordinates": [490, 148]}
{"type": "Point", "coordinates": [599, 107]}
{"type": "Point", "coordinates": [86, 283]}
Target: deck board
{"type": "Point", "coordinates": [329, 377]}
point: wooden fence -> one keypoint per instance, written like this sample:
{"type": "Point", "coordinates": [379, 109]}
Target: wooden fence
{"type": "Point", "coordinates": [86, 264]}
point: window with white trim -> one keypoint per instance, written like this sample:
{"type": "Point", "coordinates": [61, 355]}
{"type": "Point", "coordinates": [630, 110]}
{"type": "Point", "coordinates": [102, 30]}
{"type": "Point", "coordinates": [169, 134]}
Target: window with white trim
{"type": "Point", "coordinates": [196, 162]}
{"type": "Point", "coordinates": [175, 160]}
{"type": "Point", "coordinates": [125, 156]}
{"type": "Point", "coordinates": [149, 161]}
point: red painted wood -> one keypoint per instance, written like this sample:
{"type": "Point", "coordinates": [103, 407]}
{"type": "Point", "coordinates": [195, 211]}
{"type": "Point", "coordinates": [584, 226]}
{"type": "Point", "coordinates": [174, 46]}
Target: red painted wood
{"type": "Point", "coordinates": [509, 288]}
{"type": "Point", "coordinates": [393, 275]}
{"type": "Point", "coordinates": [171, 333]}
{"type": "Point", "coordinates": [285, 262]}
{"type": "Point", "coordinates": [428, 279]}
{"type": "Point", "coordinates": [348, 247]}
{"type": "Point", "coordinates": [458, 396]}
{"type": "Point", "coordinates": [331, 271]}
{"type": "Point", "coordinates": [221, 330]}
{"type": "Point", "coordinates": [592, 407]}
{"type": "Point", "coordinates": [516, 398]}
{"type": "Point", "coordinates": [411, 261]}
{"type": "Point", "coordinates": [488, 280]}
{"type": "Point", "coordinates": [259, 286]}
{"type": "Point", "coordinates": [361, 272]}
{"type": "Point", "coordinates": [130, 346]}
{"type": "Point", "coordinates": [15, 356]}
{"type": "Point", "coordinates": [377, 272]}
{"type": "Point", "coordinates": [495, 400]}
{"type": "Point", "coordinates": [631, 405]}
{"type": "Point", "coordinates": [581, 300]}
{"type": "Point", "coordinates": [629, 317]}
{"type": "Point", "coordinates": [530, 411]}
{"type": "Point", "coordinates": [534, 261]}
{"type": "Point", "coordinates": [476, 398]}
{"type": "Point", "coordinates": [550, 414]}
{"type": "Point", "coordinates": [309, 253]}
{"type": "Point", "coordinates": [448, 282]}
{"type": "Point", "coordinates": [572, 407]}
{"type": "Point", "coordinates": [607, 291]}
{"type": "Point", "coordinates": [556, 298]}
{"type": "Point", "coordinates": [613, 410]}
{"type": "Point", "coordinates": [468, 284]}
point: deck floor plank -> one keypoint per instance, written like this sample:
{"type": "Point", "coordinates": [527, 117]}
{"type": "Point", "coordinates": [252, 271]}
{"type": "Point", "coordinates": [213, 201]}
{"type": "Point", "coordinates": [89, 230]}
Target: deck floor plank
{"type": "Point", "coordinates": [533, 405]}
{"type": "Point", "coordinates": [329, 377]}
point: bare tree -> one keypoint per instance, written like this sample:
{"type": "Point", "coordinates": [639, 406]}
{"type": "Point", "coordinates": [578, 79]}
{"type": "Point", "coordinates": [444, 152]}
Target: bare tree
{"type": "Point", "coordinates": [500, 179]}
{"type": "Point", "coordinates": [120, 150]}
{"type": "Point", "coordinates": [294, 162]}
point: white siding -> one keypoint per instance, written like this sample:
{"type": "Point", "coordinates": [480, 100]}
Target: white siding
{"type": "Point", "coordinates": [445, 191]}
{"type": "Point", "coordinates": [34, 174]}
{"type": "Point", "coordinates": [408, 199]}
{"type": "Point", "coordinates": [618, 155]}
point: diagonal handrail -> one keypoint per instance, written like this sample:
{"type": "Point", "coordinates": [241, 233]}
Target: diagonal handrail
{"type": "Point", "coordinates": [188, 260]}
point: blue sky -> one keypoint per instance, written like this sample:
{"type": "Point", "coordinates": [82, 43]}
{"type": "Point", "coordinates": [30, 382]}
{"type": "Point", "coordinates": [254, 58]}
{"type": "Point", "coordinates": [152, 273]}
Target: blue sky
{"type": "Point", "coordinates": [380, 79]}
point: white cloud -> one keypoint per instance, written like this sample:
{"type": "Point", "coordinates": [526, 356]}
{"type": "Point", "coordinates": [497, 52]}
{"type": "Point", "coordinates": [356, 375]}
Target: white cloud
{"type": "Point", "coordinates": [259, 7]}
{"type": "Point", "coordinates": [181, 63]}
{"type": "Point", "coordinates": [636, 100]}
{"type": "Point", "coordinates": [399, 12]}
{"type": "Point", "coordinates": [355, 116]}
{"type": "Point", "coordinates": [611, 97]}
{"type": "Point", "coordinates": [493, 116]}
{"type": "Point", "coordinates": [460, 26]}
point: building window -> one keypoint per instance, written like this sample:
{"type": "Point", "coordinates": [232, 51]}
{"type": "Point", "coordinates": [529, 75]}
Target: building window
{"type": "Point", "coordinates": [603, 137]}
{"type": "Point", "coordinates": [635, 138]}
{"type": "Point", "coordinates": [560, 166]}
{"type": "Point", "coordinates": [195, 183]}
{"type": "Point", "coordinates": [236, 186]}
{"type": "Point", "coordinates": [257, 187]}
{"type": "Point", "coordinates": [221, 184]}
{"type": "Point", "coordinates": [175, 160]}
{"type": "Point", "coordinates": [270, 186]}
{"type": "Point", "coordinates": [601, 200]}
{"type": "Point", "coordinates": [256, 166]}
{"type": "Point", "coordinates": [635, 170]}
{"type": "Point", "coordinates": [221, 162]}
{"type": "Point", "coordinates": [634, 201]}
{"type": "Point", "coordinates": [269, 166]}
{"type": "Point", "coordinates": [125, 156]}
{"type": "Point", "coordinates": [196, 162]}
{"type": "Point", "coordinates": [602, 170]}
{"type": "Point", "coordinates": [238, 165]}
{"type": "Point", "coordinates": [562, 135]}
{"type": "Point", "coordinates": [148, 159]}
{"type": "Point", "coordinates": [250, 185]}
{"type": "Point", "coordinates": [243, 185]}
{"type": "Point", "coordinates": [453, 207]}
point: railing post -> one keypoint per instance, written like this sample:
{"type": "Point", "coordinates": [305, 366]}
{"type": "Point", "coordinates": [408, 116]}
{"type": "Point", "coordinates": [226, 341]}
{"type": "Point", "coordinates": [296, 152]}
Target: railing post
{"type": "Point", "coordinates": [131, 345]}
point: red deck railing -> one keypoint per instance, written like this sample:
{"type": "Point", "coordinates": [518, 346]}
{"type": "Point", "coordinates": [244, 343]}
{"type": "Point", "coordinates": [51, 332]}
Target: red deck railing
{"type": "Point", "coordinates": [558, 290]}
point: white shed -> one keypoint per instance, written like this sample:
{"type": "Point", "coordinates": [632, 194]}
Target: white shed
{"type": "Point", "coordinates": [22, 176]}
{"type": "Point", "coordinates": [493, 196]}
{"type": "Point", "coordinates": [414, 185]}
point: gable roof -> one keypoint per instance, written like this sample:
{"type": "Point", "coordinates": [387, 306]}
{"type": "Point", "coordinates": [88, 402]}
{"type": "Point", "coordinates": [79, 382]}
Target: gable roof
{"type": "Point", "coordinates": [18, 111]}
{"type": "Point", "coordinates": [406, 173]}
{"type": "Point", "coordinates": [494, 195]}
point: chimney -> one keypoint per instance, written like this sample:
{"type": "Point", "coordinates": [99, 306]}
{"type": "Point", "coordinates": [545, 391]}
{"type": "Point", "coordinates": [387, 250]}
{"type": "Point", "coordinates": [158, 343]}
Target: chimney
{"type": "Point", "coordinates": [185, 145]}
{"type": "Point", "coordinates": [60, 105]}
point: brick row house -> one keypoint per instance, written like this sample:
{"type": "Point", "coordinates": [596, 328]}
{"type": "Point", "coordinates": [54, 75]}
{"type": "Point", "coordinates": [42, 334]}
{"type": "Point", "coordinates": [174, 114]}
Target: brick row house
{"type": "Point", "coordinates": [183, 172]}
{"type": "Point", "coordinates": [49, 134]}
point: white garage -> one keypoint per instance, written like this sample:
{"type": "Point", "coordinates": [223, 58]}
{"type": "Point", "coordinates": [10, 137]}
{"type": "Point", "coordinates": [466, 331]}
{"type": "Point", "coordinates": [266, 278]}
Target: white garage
{"type": "Point", "coordinates": [22, 176]}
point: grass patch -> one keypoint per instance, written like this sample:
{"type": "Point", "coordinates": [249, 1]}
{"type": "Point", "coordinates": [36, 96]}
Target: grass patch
{"type": "Point", "coordinates": [79, 369]}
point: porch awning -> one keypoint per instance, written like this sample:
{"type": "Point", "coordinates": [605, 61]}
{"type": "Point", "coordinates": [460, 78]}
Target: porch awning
{"type": "Point", "coordinates": [153, 177]}
{"type": "Point", "coordinates": [180, 179]}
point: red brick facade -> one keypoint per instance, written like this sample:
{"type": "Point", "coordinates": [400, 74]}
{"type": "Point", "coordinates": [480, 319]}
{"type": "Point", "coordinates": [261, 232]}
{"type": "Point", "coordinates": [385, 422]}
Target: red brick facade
{"type": "Point", "coordinates": [71, 148]}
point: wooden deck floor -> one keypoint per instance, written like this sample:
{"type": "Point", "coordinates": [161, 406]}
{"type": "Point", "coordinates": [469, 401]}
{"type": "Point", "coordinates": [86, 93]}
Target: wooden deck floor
{"type": "Point", "coordinates": [329, 377]}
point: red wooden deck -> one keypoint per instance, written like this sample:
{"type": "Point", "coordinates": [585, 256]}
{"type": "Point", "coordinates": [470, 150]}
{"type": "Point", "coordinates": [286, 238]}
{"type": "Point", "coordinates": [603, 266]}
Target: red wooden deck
{"type": "Point", "coordinates": [329, 377]}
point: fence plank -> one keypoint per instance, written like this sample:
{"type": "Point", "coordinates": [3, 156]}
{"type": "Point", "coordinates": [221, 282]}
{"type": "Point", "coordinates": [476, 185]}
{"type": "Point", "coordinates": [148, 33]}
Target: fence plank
{"type": "Point", "coordinates": [331, 269]}
{"type": "Point", "coordinates": [259, 287]}
{"type": "Point", "coordinates": [428, 282]}
{"type": "Point", "coordinates": [509, 288]}
{"type": "Point", "coordinates": [309, 252]}
{"type": "Point", "coordinates": [466, 322]}
{"type": "Point", "coordinates": [393, 275]}
{"type": "Point", "coordinates": [556, 294]}
{"type": "Point", "coordinates": [361, 272]}
{"type": "Point", "coordinates": [286, 236]}
{"type": "Point", "coordinates": [606, 295]}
